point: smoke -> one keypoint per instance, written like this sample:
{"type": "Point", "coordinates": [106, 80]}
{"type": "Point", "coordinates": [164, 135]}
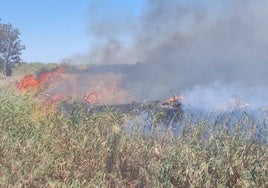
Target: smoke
{"type": "Point", "coordinates": [188, 47]}
{"type": "Point", "coordinates": [110, 28]}
{"type": "Point", "coordinates": [219, 97]}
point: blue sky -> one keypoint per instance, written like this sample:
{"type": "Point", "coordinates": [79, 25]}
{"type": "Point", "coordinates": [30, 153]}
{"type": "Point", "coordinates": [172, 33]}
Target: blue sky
{"type": "Point", "coordinates": [53, 30]}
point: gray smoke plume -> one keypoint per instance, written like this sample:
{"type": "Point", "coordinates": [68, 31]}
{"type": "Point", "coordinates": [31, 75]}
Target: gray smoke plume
{"type": "Point", "coordinates": [187, 46]}
{"type": "Point", "coordinates": [111, 30]}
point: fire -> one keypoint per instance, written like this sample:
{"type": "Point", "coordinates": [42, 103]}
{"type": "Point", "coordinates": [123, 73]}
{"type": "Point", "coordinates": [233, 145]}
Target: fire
{"type": "Point", "coordinates": [105, 89]}
{"type": "Point", "coordinates": [41, 83]}
{"type": "Point", "coordinates": [28, 81]}
{"type": "Point", "coordinates": [59, 84]}
{"type": "Point", "coordinates": [46, 76]}
{"type": "Point", "coordinates": [173, 100]}
{"type": "Point", "coordinates": [31, 81]}
{"type": "Point", "coordinates": [91, 98]}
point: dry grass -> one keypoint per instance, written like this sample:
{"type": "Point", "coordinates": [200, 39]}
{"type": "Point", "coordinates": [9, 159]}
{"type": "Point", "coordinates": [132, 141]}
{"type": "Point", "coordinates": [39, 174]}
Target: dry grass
{"type": "Point", "coordinates": [49, 148]}
{"type": "Point", "coordinates": [45, 148]}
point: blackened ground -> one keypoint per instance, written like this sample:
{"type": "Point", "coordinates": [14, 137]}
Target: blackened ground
{"type": "Point", "coordinates": [165, 113]}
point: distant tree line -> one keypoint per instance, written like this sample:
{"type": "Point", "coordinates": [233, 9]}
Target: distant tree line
{"type": "Point", "coordinates": [10, 48]}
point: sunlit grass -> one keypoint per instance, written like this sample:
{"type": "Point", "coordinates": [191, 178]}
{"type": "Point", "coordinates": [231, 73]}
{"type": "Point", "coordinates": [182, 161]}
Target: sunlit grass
{"type": "Point", "coordinates": [49, 148]}
{"type": "Point", "coordinates": [32, 68]}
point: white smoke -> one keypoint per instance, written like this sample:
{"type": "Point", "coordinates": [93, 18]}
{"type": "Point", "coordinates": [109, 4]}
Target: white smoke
{"type": "Point", "coordinates": [226, 97]}
{"type": "Point", "coordinates": [214, 53]}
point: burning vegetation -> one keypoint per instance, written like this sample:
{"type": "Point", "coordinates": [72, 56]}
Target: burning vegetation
{"type": "Point", "coordinates": [63, 83]}
{"type": "Point", "coordinates": [31, 81]}
{"type": "Point", "coordinates": [101, 85]}
{"type": "Point", "coordinates": [98, 137]}
{"type": "Point", "coordinates": [99, 146]}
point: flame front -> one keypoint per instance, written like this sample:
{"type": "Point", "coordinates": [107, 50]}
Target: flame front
{"type": "Point", "coordinates": [60, 84]}
{"type": "Point", "coordinates": [30, 81]}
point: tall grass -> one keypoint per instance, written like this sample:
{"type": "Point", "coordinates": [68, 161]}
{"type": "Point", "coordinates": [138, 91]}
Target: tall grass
{"type": "Point", "coordinates": [32, 68]}
{"type": "Point", "coordinates": [48, 148]}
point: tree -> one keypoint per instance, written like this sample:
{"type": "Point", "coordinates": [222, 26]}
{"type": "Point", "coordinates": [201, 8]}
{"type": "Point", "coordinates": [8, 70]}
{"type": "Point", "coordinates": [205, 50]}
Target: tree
{"type": "Point", "coordinates": [10, 48]}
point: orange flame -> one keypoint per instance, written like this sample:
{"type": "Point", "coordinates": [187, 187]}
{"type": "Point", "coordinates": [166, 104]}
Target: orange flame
{"type": "Point", "coordinates": [31, 81]}
{"type": "Point", "coordinates": [105, 89]}
{"type": "Point", "coordinates": [97, 89]}
{"type": "Point", "coordinates": [28, 81]}
{"type": "Point", "coordinates": [91, 98]}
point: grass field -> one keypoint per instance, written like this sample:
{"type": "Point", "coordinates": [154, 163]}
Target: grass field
{"type": "Point", "coordinates": [45, 147]}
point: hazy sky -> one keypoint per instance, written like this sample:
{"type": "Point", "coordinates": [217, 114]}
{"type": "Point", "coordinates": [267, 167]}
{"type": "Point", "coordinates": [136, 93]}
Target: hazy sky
{"type": "Point", "coordinates": [53, 30]}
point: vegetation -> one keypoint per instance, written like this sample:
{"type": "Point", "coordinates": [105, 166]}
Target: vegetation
{"type": "Point", "coordinates": [10, 48]}
{"type": "Point", "coordinates": [32, 68]}
{"type": "Point", "coordinates": [46, 147]}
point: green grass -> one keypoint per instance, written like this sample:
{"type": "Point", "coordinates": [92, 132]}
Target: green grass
{"type": "Point", "coordinates": [48, 148]}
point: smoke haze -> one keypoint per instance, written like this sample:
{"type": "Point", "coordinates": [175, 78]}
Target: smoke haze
{"type": "Point", "coordinates": [187, 47]}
